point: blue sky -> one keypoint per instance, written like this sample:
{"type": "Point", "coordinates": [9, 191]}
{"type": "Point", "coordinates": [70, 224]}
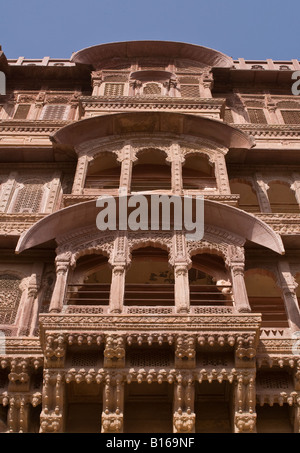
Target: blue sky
{"type": "Point", "coordinates": [253, 29]}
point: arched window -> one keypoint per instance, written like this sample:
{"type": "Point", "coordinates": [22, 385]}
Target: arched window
{"type": "Point", "coordinates": [103, 172]}
{"type": "Point", "coordinates": [10, 296]}
{"type": "Point", "coordinates": [149, 280]}
{"type": "Point", "coordinates": [208, 281]}
{"type": "Point", "coordinates": [248, 199]}
{"type": "Point", "coordinates": [265, 297]}
{"type": "Point", "coordinates": [282, 197]}
{"type": "Point", "coordinates": [151, 171]}
{"type": "Point", "coordinates": [198, 173]}
{"type": "Point", "coordinates": [90, 283]}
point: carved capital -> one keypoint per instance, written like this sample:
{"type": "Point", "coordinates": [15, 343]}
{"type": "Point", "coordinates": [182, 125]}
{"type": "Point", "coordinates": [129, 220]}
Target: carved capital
{"type": "Point", "coordinates": [114, 352]}
{"type": "Point", "coordinates": [51, 423]}
{"type": "Point", "coordinates": [184, 422]}
{"type": "Point", "coordinates": [245, 422]}
{"type": "Point", "coordinates": [112, 423]}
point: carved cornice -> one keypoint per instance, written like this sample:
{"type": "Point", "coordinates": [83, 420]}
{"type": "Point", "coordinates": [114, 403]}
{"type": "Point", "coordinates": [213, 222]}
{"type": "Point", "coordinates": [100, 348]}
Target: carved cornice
{"type": "Point", "coordinates": [283, 131]}
{"type": "Point", "coordinates": [282, 223]}
{"type": "Point", "coordinates": [168, 323]}
{"type": "Point", "coordinates": [163, 102]}
{"type": "Point", "coordinates": [31, 126]}
{"type": "Point", "coordinates": [15, 224]}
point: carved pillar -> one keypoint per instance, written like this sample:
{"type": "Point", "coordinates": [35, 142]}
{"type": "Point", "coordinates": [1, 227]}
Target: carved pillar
{"type": "Point", "coordinates": [184, 396]}
{"type": "Point", "coordinates": [272, 113]}
{"type": "Point", "coordinates": [7, 189]}
{"type": "Point", "coordinates": [53, 402]}
{"type": "Point", "coordinates": [96, 83]}
{"type": "Point", "coordinates": [62, 263]}
{"type": "Point", "coordinates": [296, 186]}
{"type": "Point", "coordinates": [25, 318]}
{"type": "Point", "coordinates": [222, 175]}
{"type": "Point", "coordinates": [182, 293]}
{"type": "Point", "coordinates": [288, 286]}
{"type": "Point", "coordinates": [208, 82]}
{"type": "Point", "coordinates": [262, 193]}
{"type": "Point", "coordinates": [185, 351]}
{"type": "Point", "coordinates": [117, 288]}
{"type": "Point", "coordinates": [181, 264]}
{"type": "Point", "coordinates": [176, 160]}
{"type": "Point", "coordinates": [119, 264]}
{"type": "Point", "coordinates": [53, 192]}
{"type": "Point", "coordinates": [113, 398]}
{"type": "Point", "coordinates": [114, 352]}
{"type": "Point", "coordinates": [12, 416]}
{"type": "Point", "coordinates": [126, 158]}
{"type": "Point", "coordinates": [244, 403]}
{"type": "Point", "coordinates": [237, 266]}
{"type": "Point", "coordinates": [80, 175]}
{"type": "Point", "coordinates": [18, 413]}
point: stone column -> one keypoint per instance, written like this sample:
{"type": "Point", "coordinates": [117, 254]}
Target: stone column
{"type": "Point", "coordinates": [262, 194]}
{"type": "Point", "coordinates": [207, 84]}
{"type": "Point", "coordinates": [62, 263]}
{"type": "Point", "coordinates": [184, 396]}
{"type": "Point", "coordinates": [25, 318]}
{"type": "Point", "coordinates": [7, 190]}
{"type": "Point", "coordinates": [54, 192]}
{"type": "Point", "coordinates": [222, 175]}
{"type": "Point", "coordinates": [272, 113]}
{"type": "Point", "coordinates": [176, 160]}
{"type": "Point", "coordinates": [96, 83]}
{"type": "Point", "coordinates": [288, 286]}
{"type": "Point", "coordinates": [119, 264]}
{"type": "Point", "coordinates": [182, 293]}
{"type": "Point", "coordinates": [181, 263]}
{"type": "Point", "coordinates": [237, 266]}
{"type": "Point", "coordinates": [296, 186]}
{"type": "Point", "coordinates": [80, 175]}
{"type": "Point", "coordinates": [113, 397]}
{"type": "Point", "coordinates": [53, 402]}
{"type": "Point", "coordinates": [126, 158]}
{"type": "Point", "coordinates": [244, 404]}
{"type": "Point", "coordinates": [117, 288]}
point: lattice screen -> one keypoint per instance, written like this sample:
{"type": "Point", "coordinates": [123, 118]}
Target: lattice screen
{"type": "Point", "coordinates": [291, 116]}
{"type": "Point", "coordinates": [228, 118]}
{"type": "Point", "coordinates": [145, 358]}
{"type": "Point", "coordinates": [10, 295]}
{"type": "Point", "coordinates": [257, 116]}
{"type": "Point", "coordinates": [29, 198]}
{"type": "Point", "coordinates": [114, 89]}
{"type": "Point", "coordinates": [54, 112]}
{"type": "Point", "coordinates": [190, 91]}
{"type": "Point", "coordinates": [152, 88]}
{"type": "Point", "coordinates": [22, 112]}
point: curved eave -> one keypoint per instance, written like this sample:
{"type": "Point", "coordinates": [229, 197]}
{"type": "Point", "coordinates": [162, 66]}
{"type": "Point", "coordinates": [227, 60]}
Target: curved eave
{"type": "Point", "coordinates": [120, 124]}
{"type": "Point", "coordinates": [96, 55]}
{"type": "Point", "coordinates": [233, 220]}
